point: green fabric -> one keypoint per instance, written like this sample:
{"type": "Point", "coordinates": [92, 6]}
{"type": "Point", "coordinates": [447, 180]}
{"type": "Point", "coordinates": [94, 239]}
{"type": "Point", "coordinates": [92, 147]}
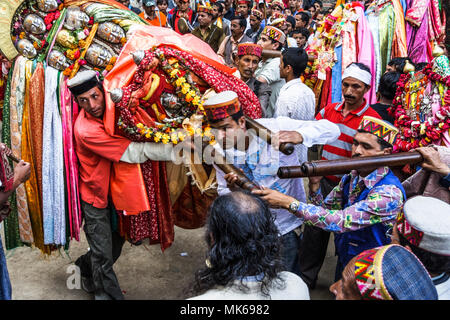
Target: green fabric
{"type": "Point", "coordinates": [103, 13]}
{"type": "Point", "coordinates": [11, 224]}
{"type": "Point", "coordinates": [51, 35]}
{"type": "Point", "coordinates": [386, 32]}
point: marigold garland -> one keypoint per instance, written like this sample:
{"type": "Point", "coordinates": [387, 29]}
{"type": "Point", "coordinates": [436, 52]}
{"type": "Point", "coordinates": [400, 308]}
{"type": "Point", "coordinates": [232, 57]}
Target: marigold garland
{"type": "Point", "coordinates": [414, 134]}
{"type": "Point", "coordinates": [168, 132]}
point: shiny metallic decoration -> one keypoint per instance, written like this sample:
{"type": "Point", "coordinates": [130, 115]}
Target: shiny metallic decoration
{"type": "Point", "coordinates": [116, 95]}
{"type": "Point", "coordinates": [438, 51]}
{"type": "Point", "coordinates": [408, 67]}
{"type": "Point", "coordinates": [138, 56]}
{"type": "Point", "coordinates": [110, 32]}
{"type": "Point", "coordinates": [26, 48]}
{"type": "Point", "coordinates": [98, 56]}
{"type": "Point", "coordinates": [47, 5]}
{"type": "Point", "coordinates": [184, 26]}
{"type": "Point", "coordinates": [34, 24]}
{"type": "Point", "coordinates": [76, 19]}
{"type": "Point", "coordinates": [57, 60]}
{"type": "Point", "coordinates": [171, 103]}
{"type": "Point", "coordinates": [66, 39]}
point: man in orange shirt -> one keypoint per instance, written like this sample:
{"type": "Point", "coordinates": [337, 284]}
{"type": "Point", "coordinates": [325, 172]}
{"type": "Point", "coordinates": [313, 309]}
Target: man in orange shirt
{"type": "Point", "coordinates": [154, 17]}
{"type": "Point", "coordinates": [96, 151]}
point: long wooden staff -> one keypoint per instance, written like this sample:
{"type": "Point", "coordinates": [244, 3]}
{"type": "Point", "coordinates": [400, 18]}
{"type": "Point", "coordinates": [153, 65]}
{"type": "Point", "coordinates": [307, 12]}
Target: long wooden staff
{"type": "Point", "coordinates": [341, 166]}
{"type": "Point", "coordinates": [267, 135]}
{"type": "Point", "coordinates": [9, 153]}
{"type": "Point", "coordinates": [242, 180]}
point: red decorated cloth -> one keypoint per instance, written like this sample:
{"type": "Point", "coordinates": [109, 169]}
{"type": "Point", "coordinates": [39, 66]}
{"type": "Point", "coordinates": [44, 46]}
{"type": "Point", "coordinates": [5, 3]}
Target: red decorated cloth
{"type": "Point", "coordinates": [142, 190]}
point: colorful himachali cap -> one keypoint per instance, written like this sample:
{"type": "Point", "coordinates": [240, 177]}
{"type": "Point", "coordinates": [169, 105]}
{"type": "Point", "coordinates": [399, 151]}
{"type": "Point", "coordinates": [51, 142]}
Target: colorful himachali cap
{"type": "Point", "coordinates": [249, 48]}
{"type": "Point", "coordinates": [278, 3]}
{"type": "Point", "coordinates": [425, 223]}
{"type": "Point", "coordinates": [149, 3]}
{"type": "Point", "coordinates": [204, 8]}
{"type": "Point", "coordinates": [221, 106]}
{"type": "Point", "coordinates": [83, 82]}
{"type": "Point", "coordinates": [392, 273]}
{"type": "Point", "coordinates": [380, 128]}
{"type": "Point", "coordinates": [274, 34]}
{"type": "Point", "coordinates": [258, 14]}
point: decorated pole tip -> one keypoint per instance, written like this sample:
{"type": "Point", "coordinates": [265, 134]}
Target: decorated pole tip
{"type": "Point", "coordinates": [138, 56]}
{"type": "Point", "coordinates": [116, 95]}
{"type": "Point", "coordinates": [408, 67]}
{"type": "Point", "coordinates": [437, 51]}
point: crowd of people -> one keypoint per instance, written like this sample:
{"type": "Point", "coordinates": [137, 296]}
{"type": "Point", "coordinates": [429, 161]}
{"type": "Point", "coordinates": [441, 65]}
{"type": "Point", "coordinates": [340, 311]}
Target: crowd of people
{"type": "Point", "coordinates": [392, 242]}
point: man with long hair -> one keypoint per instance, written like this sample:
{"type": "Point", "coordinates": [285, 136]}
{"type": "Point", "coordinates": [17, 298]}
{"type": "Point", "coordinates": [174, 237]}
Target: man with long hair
{"type": "Point", "coordinates": [243, 258]}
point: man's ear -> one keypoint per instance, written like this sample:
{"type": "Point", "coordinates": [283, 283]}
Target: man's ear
{"type": "Point", "coordinates": [367, 89]}
{"type": "Point", "coordinates": [242, 122]}
{"type": "Point", "coordinates": [236, 60]}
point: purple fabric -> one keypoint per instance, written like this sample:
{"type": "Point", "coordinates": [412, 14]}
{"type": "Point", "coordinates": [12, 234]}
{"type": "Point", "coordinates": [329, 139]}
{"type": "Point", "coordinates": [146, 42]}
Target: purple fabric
{"type": "Point", "coordinates": [417, 39]}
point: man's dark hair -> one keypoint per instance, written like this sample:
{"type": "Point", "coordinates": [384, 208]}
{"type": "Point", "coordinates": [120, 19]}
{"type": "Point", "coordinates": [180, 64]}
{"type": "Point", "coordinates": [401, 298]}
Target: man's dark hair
{"type": "Point", "coordinates": [242, 21]}
{"type": "Point", "coordinates": [388, 84]}
{"type": "Point", "coordinates": [162, 1]}
{"type": "Point", "coordinates": [319, 2]}
{"type": "Point", "coordinates": [304, 16]}
{"type": "Point", "coordinates": [219, 6]}
{"type": "Point", "coordinates": [297, 59]}
{"type": "Point", "coordinates": [383, 144]}
{"type": "Point", "coordinates": [421, 65]}
{"type": "Point", "coordinates": [399, 63]}
{"type": "Point", "coordinates": [434, 263]}
{"type": "Point", "coordinates": [303, 31]}
{"type": "Point", "coordinates": [243, 241]}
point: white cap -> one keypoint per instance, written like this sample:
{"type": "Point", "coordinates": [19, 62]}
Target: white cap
{"type": "Point", "coordinates": [426, 224]}
{"type": "Point", "coordinates": [83, 81]}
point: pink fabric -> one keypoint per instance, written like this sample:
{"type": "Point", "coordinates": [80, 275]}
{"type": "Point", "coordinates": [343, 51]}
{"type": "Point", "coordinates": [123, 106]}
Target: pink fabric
{"type": "Point", "coordinates": [366, 53]}
{"type": "Point", "coordinates": [70, 163]}
{"type": "Point", "coordinates": [435, 27]}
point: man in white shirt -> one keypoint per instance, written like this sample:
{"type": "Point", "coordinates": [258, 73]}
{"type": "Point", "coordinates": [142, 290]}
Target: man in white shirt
{"type": "Point", "coordinates": [260, 161]}
{"type": "Point", "coordinates": [268, 71]}
{"type": "Point", "coordinates": [296, 100]}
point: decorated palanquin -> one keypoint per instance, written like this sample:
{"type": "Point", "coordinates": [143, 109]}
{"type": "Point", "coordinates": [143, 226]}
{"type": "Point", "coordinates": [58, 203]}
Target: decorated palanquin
{"type": "Point", "coordinates": [158, 79]}
{"type": "Point", "coordinates": [157, 88]}
{"type": "Point", "coordinates": [421, 107]}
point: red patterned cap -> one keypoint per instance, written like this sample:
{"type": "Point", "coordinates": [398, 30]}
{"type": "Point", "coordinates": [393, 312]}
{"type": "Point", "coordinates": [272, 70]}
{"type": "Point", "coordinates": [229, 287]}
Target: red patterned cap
{"type": "Point", "coordinates": [249, 48]}
{"type": "Point", "coordinates": [221, 106]}
{"type": "Point", "coordinates": [202, 8]}
{"type": "Point", "coordinates": [257, 14]}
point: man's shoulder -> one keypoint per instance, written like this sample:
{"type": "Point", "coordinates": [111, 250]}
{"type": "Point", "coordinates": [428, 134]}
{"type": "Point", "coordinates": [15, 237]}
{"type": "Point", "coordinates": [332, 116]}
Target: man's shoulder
{"type": "Point", "coordinates": [372, 112]}
{"type": "Point", "coordinates": [246, 38]}
{"type": "Point", "coordinates": [85, 127]}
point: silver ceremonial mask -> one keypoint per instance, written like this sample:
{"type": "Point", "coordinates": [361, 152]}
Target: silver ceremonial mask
{"type": "Point", "coordinates": [34, 24]}
{"type": "Point", "coordinates": [98, 55]}
{"type": "Point", "coordinates": [76, 19]}
{"type": "Point", "coordinates": [110, 32]}
{"type": "Point", "coordinates": [26, 48]}
{"type": "Point", "coordinates": [47, 5]}
{"type": "Point", "coordinates": [57, 60]}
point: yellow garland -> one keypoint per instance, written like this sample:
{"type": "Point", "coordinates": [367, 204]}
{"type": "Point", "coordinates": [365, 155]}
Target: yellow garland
{"type": "Point", "coordinates": [89, 40]}
{"type": "Point", "coordinates": [190, 96]}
